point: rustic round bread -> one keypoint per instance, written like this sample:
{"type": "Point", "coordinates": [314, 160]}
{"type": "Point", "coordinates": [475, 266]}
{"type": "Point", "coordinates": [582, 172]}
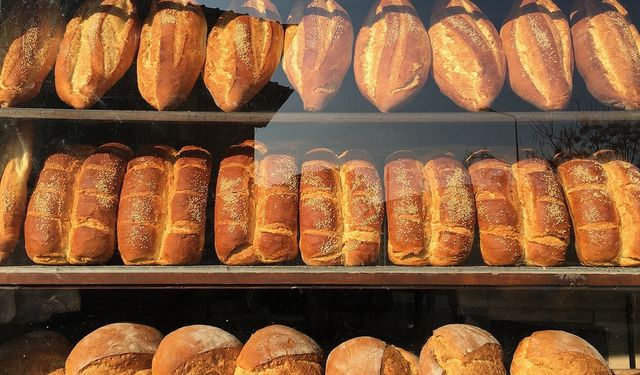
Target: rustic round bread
{"type": "Point", "coordinates": [368, 355]}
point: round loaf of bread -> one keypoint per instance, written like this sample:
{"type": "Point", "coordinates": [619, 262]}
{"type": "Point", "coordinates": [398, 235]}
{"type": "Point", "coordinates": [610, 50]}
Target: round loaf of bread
{"type": "Point", "coordinates": [115, 349]}
{"type": "Point", "coordinates": [279, 350]}
{"type": "Point", "coordinates": [557, 353]}
{"type": "Point", "coordinates": [461, 349]}
{"type": "Point", "coordinates": [368, 355]}
{"type": "Point", "coordinates": [197, 349]}
{"type": "Point", "coordinates": [35, 353]}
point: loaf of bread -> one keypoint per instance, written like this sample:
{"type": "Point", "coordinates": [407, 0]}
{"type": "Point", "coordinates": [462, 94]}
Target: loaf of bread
{"type": "Point", "coordinates": [161, 219]}
{"type": "Point", "coordinates": [392, 54]}
{"type": "Point", "coordinates": [461, 349]}
{"type": "Point", "coordinates": [197, 349]}
{"type": "Point", "coordinates": [71, 218]}
{"type": "Point", "coordinates": [35, 353]}
{"type": "Point", "coordinates": [30, 36]}
{"type": "Point", "coordinates": [279, 350]}
{"type": "Point", "coordinates": [119, 348]}
{"type": "Point", "coordinates": [172, 52]}
{"type": "Point", "coordinates": [469, 64]}
{"type": "Point", "coordinates": [256, 208]}
{"type": "Point", "coordinates": [341, 209]}
{"type": "Point", "coordinates": [15, 168]}
{"type": "Point", "coordinates": [368, 355]}
{"type": "Point", "coordinates": [430, 211]}
{"type": "Point", "coordinates": [557, 353]}
{"type": "Point", "coordinates": [537, 43]}
{"type": "Point", "coordinates": [521, 213]}
{"type": "Point", "coordinates": [318, 50]}
{"type": "Point", "coordinates": [607, 50]}
{"type": "Point", "coordinates": [596, 222]}
{"type": "Point", "coordinates": [243, 51]}
{"type": "Point", "coordinates": [99, 46]}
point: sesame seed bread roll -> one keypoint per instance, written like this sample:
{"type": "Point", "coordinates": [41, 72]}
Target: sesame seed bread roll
{"type": "Point", "coordinates": [243, 50]}
{"type": "Point", "coordinates": [537, 43]}
{"type": "Point", "coordinates": [30, 36]}
{"type": "Point", "coordinates": [469, 64]}
{"type": "Point", "coordinates": [607, 50]}
{"type": "Point", "coordinates": [162, 214]}
{"type": "Point", "coordinates": [172, 52]}
{"type": "Point", "coordinates": [15, 169]}
{"type": "Point", "coordinates": [34, 353]}
{"type": "Point", "coordinates": [392, 55]}
{"type": "Point", "coordinates": [318, 50]}
{"type": "Point", "coordinates": [98, 48]}
{"type": "Point", "coordinates": [368, 355]}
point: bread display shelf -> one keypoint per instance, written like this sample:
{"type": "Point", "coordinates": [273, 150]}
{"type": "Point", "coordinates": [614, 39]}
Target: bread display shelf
{"type": "Point", "coordinates": [217, 276]}
{"type": "Point", "coordinates": [263, 118]}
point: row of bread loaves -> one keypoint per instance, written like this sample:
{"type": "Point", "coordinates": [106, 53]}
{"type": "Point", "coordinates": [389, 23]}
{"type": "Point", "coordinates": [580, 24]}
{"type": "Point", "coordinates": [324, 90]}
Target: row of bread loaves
{"type": "Point", "coordinates": [134, 349]}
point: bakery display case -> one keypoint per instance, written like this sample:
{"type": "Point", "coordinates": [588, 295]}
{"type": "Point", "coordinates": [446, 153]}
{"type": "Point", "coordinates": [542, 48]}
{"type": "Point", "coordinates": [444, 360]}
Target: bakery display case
{"type": "Point", "coordinates": [319, 186]}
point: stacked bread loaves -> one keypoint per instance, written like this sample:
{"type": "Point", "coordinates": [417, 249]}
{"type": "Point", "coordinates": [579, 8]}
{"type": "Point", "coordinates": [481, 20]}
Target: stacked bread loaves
{"type": "Point", "coordinates": [71, 216]}
{"type": "Point", "coordinates": [161, 219]}
{"type": "Point", "coordinates": [369, 356]}
{"type": "Point", "coordinates": [341, 209]}
{"type": "Point", "coordinates": [430, 210]}
{"type": "Point", "coordinates": [35, 353]}
{"type": "Point", "coordinates": [522, 215]}
{"type": "Point", "coordinates": [256, 208]}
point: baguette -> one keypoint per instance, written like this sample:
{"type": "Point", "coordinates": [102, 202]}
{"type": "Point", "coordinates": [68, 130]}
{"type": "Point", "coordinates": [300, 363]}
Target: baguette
{"type": "Point", "coordinates": [318, 50]}
{"type": "Point", "coordinates": [99, 46]}
{"type": "Point", "coordinates": [607, 50]}
{"type": "Point", "coordinates": [29, 40]}
{"type": "Point", "coordinates": [368, 355]}
{"type": "Point", "coordinates": [172, 52]}
{"type": "Point", "coordinates": [537, 43]}
{"type": "Point", "coordinates": [162, 212]}
{"type": "Point", "coordinates": [392, 55]}
{"type": "Point", "coordinates": [469, 64]}
{"type": "Point", "coordinates": [15, 166]}
{"type": "Point", "coordinates": [243, 52]}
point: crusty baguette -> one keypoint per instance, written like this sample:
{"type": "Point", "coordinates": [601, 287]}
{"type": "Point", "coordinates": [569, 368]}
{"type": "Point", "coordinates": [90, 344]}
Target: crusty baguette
{"type": "Point", "coordinates": [469, 65]}
{"type": "Point", "coordinates": [392, 54]}
{"type": "Point", "coordinates": [30, 36]}
{"type": "Point", "coordinates": [172, 52]}
{"type": "Point", "coordinates": [15, 168]}
{"type": "Point", "coordinates": [243, 51]}
{"type": "Point", "coordinates": [99, 46]}
{"type": "Point", "coordinates": [607, 51]}
{"type": "Point", "coordinates": [162, 211]}
{"type": "Point", "coordinates": [537, 43]}
{"type": "Point", "coordinates": [368, 355]}
{"type": "Point", "coordinates": [318, 50]}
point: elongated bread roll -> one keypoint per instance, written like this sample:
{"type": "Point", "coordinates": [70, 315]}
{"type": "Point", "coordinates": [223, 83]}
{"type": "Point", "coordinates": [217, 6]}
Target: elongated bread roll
{"type": "Point", "coordinates": [537, 43]}
{"type": "Point", "coordinates": [368, 355]}
{"type": "Point", "coordinates": [318, 50]}
{"type": "Point", "coordinates": [30, 36]}
{"type": "Point", "coordinates": [99, 46]}
{"type": "Point", "coordinates": [162, 212]}
{"type": "Point", "coordinates": [392, 54]}
{"type": "Point", "coordinates": [243, 51]}
{"type": "Point", "coordinates": [72, 213]}
{"type": "Point", "coordinates": [469, 65]}
{"type": "Point", "coordinates": [607, 50]}
{"type": "Point", "coordinates": [341, 209]}
{"type": "Point", "coordinates": [172, 52]}
{"type": "Point", "coordinates": [15, 168]}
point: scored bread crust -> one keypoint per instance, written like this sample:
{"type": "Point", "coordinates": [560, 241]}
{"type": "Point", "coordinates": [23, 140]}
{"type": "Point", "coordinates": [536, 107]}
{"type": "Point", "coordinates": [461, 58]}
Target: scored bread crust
{"type": "Point", "coordinates": [469, 64]}
{"type": "Point", "coordinates": [537, 43]}
{"type": "Point", "coordinates": [98, 48]}
{"type": "Point", "coordinates": [607, 51]}
{"type": "Point", "coordinates": [368, 355]}
{"type": "Point", "coordinates": [30, 36]}
{"type": "Point", "coordinates": [34, 353]}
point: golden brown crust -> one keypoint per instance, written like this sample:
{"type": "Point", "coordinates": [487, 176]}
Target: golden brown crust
{"type": "Point", "coordinates": [30, 36]}
{"type": "Point", "coordinates": [243, 51]}
{"type": "Point", "coordinates": [469, 65]}
{"type": "Point", "coordinates": [607, 51]}
{"type": "Point", "coordinates": [537, 43]}
{"type": "Point", "coordinates": [172, 52]}
{"type": "Point", "coordinates": [35, 353]}
{"type": "Point", "coordinates": [368, 355]}
{"type": "Point", "coordinates": [392, 54]}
